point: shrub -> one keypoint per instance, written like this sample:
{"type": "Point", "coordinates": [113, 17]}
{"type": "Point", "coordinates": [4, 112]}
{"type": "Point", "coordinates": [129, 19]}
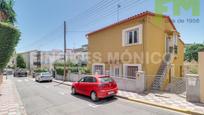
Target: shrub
{"type": "Point", "coordinates": [40, 70]}
{"type": "Point", "coordinates": [73, 69]}
{"type": "Point", "coordinates": [60, 71]}
{"type": "Point", "coordinates": [9, 37]}
{"type": "Point", "coordinates": [85, 70]}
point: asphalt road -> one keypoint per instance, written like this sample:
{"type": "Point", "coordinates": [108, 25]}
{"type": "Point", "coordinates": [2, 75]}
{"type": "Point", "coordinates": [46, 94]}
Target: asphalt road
{"type": "Point", "coordinates": [55, 99]}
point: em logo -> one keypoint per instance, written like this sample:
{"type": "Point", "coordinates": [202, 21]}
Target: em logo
{"type": "Point", "coordinates": [194, 5]}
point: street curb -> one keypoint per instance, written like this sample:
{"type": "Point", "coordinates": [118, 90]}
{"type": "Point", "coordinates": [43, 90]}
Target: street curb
{"type": "Point", "coordinates": [150, 103]}
{"type": "Point", "coordinates": [22, 108]}
{"type": "Point", "coordinates": [61, 82]}
{"type": "Point", "coordinates": [161, 106]}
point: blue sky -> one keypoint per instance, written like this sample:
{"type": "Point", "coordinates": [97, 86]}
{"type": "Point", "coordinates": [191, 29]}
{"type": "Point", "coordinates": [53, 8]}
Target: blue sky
{"type": "Point", "coordinates": [41, 21]}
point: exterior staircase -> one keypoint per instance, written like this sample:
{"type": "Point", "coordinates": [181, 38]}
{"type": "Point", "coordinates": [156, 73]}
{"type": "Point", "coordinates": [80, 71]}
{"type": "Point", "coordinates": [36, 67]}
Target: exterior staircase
{"type": "Point", "coordinates": [159, 78]}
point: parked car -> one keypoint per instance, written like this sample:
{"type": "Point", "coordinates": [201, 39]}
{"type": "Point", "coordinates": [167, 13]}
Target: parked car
{"type": "Point", "coordinates": [4, 72]}
{"type": "Point", "coordinates": [20, 73]}
{"type": "Point", "coordinates": [97, 87]}
{"type": "Point", "coordinates": [9, 72]}
{"type": "Point", "coordinates": [43, 76]}
{"type": "Point", "coordinates": [34, 74]}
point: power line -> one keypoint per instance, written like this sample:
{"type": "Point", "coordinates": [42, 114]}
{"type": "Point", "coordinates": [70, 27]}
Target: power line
{"type": "Point", "coordinates": [109, 13]}
{"type": "Point", "coordinates": [114, 12]}
{"type": "Point", "coordinates": [92, 10]}
{"type": "Point", "coordinates": [111, 10]}
{"type": "Point", "coordinates": [52, 32]}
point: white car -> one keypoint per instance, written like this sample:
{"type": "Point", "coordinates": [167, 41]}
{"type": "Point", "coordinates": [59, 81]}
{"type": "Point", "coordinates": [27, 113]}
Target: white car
{"type": "Point", "coordinates": [44, 76]}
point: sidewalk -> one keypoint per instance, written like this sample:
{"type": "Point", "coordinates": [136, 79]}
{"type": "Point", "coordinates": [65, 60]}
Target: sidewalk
{"type": "Point", "coordinates": [165, 100]}
{"type": "Point", "coordinates": [10, 103]}
{"type": "Point", "coordinates": [160, 99]}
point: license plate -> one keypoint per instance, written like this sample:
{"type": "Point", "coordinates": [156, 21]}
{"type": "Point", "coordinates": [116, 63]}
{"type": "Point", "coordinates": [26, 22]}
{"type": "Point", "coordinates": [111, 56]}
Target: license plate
{"type": "Point", "coordinates": [111, 92]}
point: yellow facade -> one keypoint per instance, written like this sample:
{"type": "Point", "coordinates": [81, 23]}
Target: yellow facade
{"type": "Point", "coordinates": [201, 75]}
{"type": "Point", "coordinates": [153, 47]}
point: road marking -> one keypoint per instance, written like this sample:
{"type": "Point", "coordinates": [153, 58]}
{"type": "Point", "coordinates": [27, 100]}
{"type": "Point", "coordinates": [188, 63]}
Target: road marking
{"type": "Point", "coordinates": [93, 105]}
{"type": "Point", "coordinates": [26, 80]}
{"type": "Point", "coordinates": [19, 80]}
{"type": "Point", "coordinates": [46, 87]}
{"type": "Point", "coordinates": [61, 93]}
{"type": "Point", "coordinates": [32, 79]}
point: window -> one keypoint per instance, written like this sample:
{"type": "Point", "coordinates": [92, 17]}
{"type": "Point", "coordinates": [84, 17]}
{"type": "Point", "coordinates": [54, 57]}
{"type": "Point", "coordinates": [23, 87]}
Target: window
{"type": "Point", "coordinates": [175, 44]}
{"type": "Point", "coordinates": [132, 36]}
{"type": "Point", "coordinates": [117, 71]}
{"type": "Point", "coordinates": [105, 79]}
{"type": "Point", "coordinates": [130, 70]}
{"type": "Point", "coordinates": [98, 69]}
{"type": "Point", "coordinates": [82, 79]}
{"type": "Point", "coordinates": [90, 79]}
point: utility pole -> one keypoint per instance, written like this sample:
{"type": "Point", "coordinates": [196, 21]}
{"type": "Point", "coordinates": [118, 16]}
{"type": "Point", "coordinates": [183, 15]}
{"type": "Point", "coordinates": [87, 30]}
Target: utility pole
{"type": "Point", "coordinates": [65, 51]}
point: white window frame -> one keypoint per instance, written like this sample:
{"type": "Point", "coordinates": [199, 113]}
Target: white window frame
{"type": "Point", "coordinates": [125, 68]}
{"type": "Point", "coordinates": [125, 35]}
{"type": "Point", "coordinates": [93, 67]}
{"type": "Point", "coordinates": [175, 39]}
{"type": "Point", "coordinates": [175, 43]}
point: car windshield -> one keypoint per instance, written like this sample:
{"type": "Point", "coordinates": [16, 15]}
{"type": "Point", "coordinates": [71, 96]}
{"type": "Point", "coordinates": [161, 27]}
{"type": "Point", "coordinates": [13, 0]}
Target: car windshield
{"type": "Point", "coordinates": [46, 74]}
{"type": "Point", "coordinates": [105, 79]}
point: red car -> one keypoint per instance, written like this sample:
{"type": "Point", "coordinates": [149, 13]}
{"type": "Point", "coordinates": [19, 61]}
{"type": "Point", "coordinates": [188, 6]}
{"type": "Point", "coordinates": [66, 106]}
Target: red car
{"type": "Point", "coordinates": [96, 87]}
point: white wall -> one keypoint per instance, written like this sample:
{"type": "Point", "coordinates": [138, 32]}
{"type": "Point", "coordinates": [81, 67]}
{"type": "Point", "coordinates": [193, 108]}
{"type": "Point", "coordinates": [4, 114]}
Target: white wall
{"type": "Point", "coordinates": [134, 85]}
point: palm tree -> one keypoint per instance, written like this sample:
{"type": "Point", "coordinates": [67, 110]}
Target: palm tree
{"type": "Point", "coordinates": [7, 13]}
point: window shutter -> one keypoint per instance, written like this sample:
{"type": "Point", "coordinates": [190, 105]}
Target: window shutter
{"type": "Point", "coordinates": [123, 38]}
{"type": "Point", "coordinates": [140, 34]}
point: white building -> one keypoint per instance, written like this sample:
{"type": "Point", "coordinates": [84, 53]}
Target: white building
{"type": "Point", "coordinates": [81, 55]}
{"type": "Point", "coordinates": [41, 59]}
{"type": "Point", "coordinates": [46, 59]}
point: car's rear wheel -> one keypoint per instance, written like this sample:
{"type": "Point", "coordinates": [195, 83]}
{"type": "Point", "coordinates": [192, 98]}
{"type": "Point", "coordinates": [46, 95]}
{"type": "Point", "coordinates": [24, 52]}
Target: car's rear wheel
{"type": "Point", "coordinates": [94, 96]}
{"type": "Point", "coordinates": [73, 91]}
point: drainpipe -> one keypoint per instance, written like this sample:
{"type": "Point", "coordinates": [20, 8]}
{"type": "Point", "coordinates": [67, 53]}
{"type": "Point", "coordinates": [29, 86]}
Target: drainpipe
{"type": "Point", "coordinates": [144, 55]}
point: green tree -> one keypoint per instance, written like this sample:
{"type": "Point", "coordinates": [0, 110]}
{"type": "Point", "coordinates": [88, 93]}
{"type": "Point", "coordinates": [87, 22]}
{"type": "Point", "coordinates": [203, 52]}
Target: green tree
{"type": "Point", "coordinates": [191, 52]}
{"type": "Point", "coordinates": [7, 12]}
{"type": "Point", "coordinates": [20, 62]}
{"type": "Point", "coordinates": [9, 37]}
{"type": "Point", "coordinates": [9, 34]}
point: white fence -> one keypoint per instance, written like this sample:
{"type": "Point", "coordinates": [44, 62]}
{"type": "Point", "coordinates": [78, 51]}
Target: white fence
{"type": "Point", "coordinates": [134, 85]}
{"type": "Point", "coordinates": [193, 88]}
{"type": "Point", "coordinates": [70, 77]}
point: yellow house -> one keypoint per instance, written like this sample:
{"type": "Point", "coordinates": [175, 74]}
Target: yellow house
{"type": "Point", "coordinates": [145, 42]}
